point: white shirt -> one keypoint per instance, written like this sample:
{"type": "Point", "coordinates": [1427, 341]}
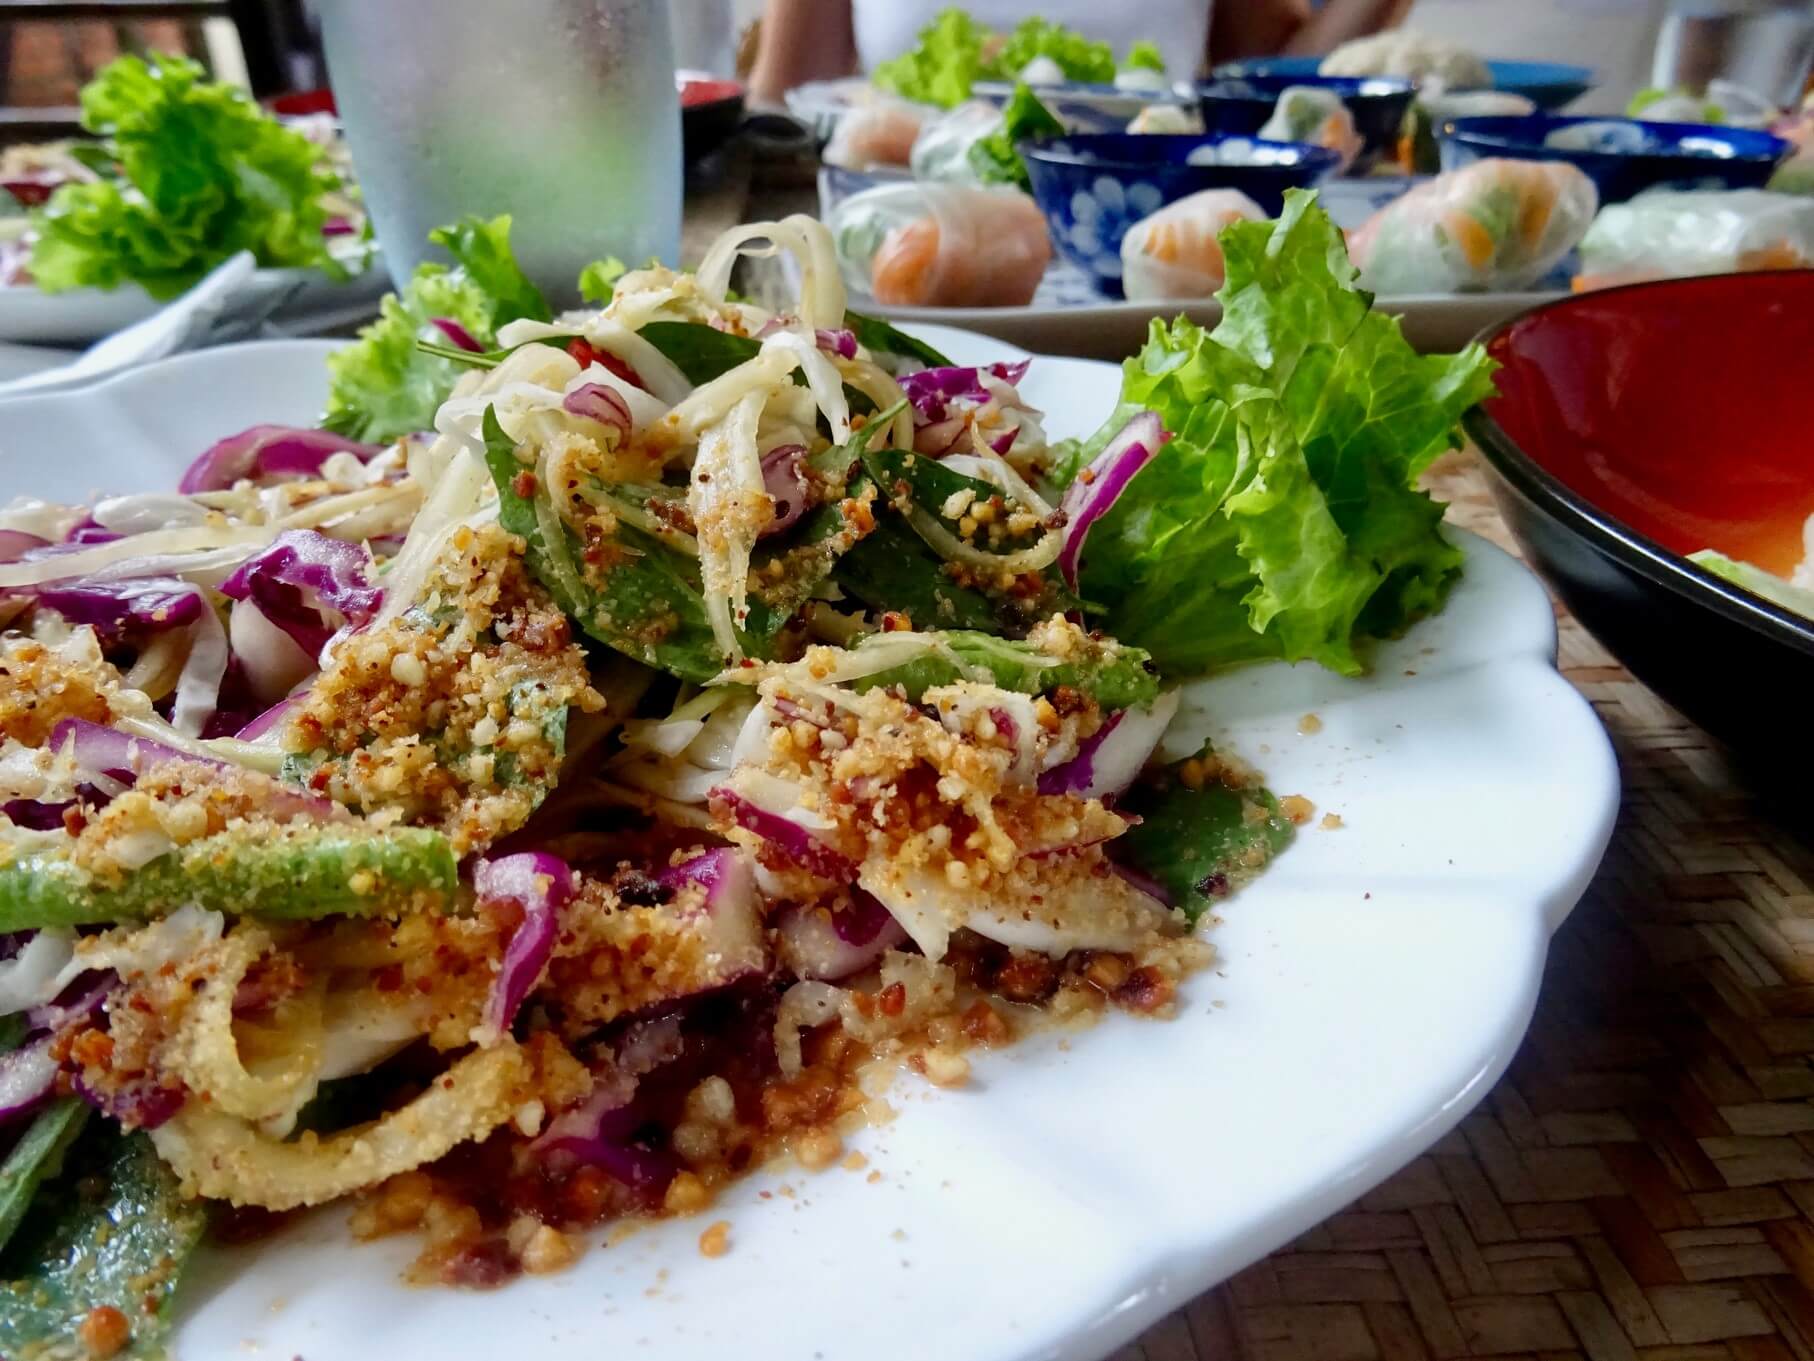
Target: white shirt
{"type": "Point", "coordinates": [887, 28]}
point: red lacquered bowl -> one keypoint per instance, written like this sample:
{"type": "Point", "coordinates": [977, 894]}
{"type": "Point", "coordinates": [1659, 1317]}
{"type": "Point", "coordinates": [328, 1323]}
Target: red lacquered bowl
{"type": "Point", "coordinates": [1637, 425]}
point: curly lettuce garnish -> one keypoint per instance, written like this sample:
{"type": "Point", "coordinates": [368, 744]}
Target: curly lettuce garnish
{"type": "Point", "coordinates": [1282, 519]}
{"type": "Point", "coordinates": [954, 52]}
{"type": "Point", "coordinates": [193, 172]}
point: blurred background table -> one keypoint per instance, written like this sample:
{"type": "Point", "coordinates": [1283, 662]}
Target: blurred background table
{"type": "Point", "coordinates": [1640, 1184]}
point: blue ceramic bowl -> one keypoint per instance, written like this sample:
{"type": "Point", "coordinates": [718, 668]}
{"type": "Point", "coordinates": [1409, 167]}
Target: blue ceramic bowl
{"type": "Point", "coordinates": [1082, 107]}
{"type": "Point", "coordinates": [1242, 104]}
{"type": "Point", "coordinates": [1680, 155]}
{"type": "Point", "coordinates": [1547, 84]}
{"type": "Point", "coordinates": [1094, 186]}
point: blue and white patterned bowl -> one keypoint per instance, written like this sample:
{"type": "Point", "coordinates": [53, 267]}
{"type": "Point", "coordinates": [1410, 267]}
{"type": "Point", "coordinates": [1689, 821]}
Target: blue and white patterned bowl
{"type": "Point", "coordinates": [1243, 103]}
{"type": "Point", "coordinates": [1622, 156]}
{"type": "Point", "coordinates": [1093, 187]}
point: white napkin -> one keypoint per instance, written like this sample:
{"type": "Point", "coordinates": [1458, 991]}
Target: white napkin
{"type": "Point", "coordinates": [229, 302]}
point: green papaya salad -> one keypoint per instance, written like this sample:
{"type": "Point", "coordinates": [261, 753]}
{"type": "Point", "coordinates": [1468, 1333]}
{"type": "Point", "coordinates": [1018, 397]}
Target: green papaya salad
{"type": "Point", "coordinates": [533, 797]}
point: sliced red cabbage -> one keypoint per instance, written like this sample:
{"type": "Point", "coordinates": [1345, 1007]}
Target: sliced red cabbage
{"type": "Point", "coordinates": [269, 451]}
{"type": "Point", "coordinates": [339, 226]}
{"type": "Point", "coordinates": [107, 752]}
{"type": "Point", "coordinates": [147, 604]}
{"type": "Point", "coordinates": [730, 923]}
{"type": "Point", "coordinates": [269, 720]}
{"type": "Point", "coordinates": [457, 335]}
{"type": "Point", "coordinates": [91, 531]}
{"type": "Point", "coordinates": [80, 1000]}
{"type": "Point", "coordinates": [599, 402]}
{"type": "Point", "coordinates": [792, 840]}
{"type": "Point", "coordinates": [784, 479]}
{"type": "Point", "coordinates": [1112, 757]}
{"type": "Point", "coordinates": [600, 1132]}
{"type": "Point", "coordinates": [1098, 486]}
{"type": "Point", "coordinates": [34, 815]}
{"type": "Point", "coordinates": [540, 884]}
{"type": "Point", "coordinates": [28, 1076]}
{"type": "Point", "coordinates": [829, 946]}
{"type": "Point", "coordinates": [933, 391]}
{"type": "Point", "coordinates": [139, 1105]}
{"type": "Point", "coordinates": [309, 586]}
{"type": "Point", "coordinates": [839, 342]}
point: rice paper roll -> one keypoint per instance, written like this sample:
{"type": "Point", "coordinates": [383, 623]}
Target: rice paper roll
{"type": "Point", "coordinates": [1494, 226]}
{"type": "Point", "coordinates": [1176, 252]}
{"type": "Point", "coordinates": [1311, 114]}
{"type": "Point", "coordinates": [941, 245]}
{"type": "Point", "coordinates": [880, 133]}
{"type": "Point", "coordinates": [1404, 52]}
{"type": "Point", "coordinates": [1418, 151]}
{"type": "Point", "coordinates": [942, 150]}
{"type": "Point", "coordinates": [1667, 233]}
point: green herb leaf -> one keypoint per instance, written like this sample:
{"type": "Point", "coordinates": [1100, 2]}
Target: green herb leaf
{"type": "Point", "coordinates": [200, 173]}
{"type": "Point", "coordinates": [1200, 843]}
{"type": "Point", "coordinates": [647, 605]}
{"type": "Point", "coordinates": [1115, 676]}
{"type": "Point", "coordinates": [882, 339]}
{"type": "Point", "coordinates": [36, 1159]}
{"type": "Point", "coordinates": [1080, 58]}
{"type": "Point", "coordinates": [115, 1230]}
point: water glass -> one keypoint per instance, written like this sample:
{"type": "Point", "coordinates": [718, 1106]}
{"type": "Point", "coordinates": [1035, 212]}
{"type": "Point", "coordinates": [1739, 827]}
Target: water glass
{"type": "Point", "coordinates": [562, 113]}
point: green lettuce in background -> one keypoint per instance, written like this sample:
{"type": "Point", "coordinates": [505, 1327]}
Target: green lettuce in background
{"type": "Point", "coordinates": [193, 172]}
{"type": "Point", "coordinates": [1282, 519]}
{"type": "Point", "coordinates": [954, 52]}
{"type": "Point", "coordinates": [1024, 118]}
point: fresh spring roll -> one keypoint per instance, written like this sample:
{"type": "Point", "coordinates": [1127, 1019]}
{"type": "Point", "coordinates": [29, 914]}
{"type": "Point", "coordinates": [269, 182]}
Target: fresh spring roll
{"type": "Point", "coordinates": [941, 245]}
{"type": "Point", "coordinates": [880, 133]}
{"type": "Point", "coordinates": [1176, 252]}
{"type": "Point", "coordinates": [1666, 234]}
{"type": "Point", "coordinates": [1493, 226]}
{"type": "Point", "coordinates": [942, 150]}
{"type": "Point", "coordinates": [1309, 113]}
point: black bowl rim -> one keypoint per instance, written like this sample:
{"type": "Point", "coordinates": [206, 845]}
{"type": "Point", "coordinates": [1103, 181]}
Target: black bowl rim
{"type": "Point", "coordinates": [1315, 157]}
{"type": "Point", "coordinates": [1611, 537]}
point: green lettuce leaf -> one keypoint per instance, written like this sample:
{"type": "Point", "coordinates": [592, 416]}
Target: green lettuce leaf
{"type": "Point", "coordinates": [384, 385]}
{"type": "Point", "coordinates": [1024, 118]}
{"type": "Point", "coordinates": [1282, 519]}
{"type": "Point", "coordinates": [942, 66]}
{"type": "Point", "coordinates": [1144, 55]}
{"type": "Point", "coordinates": [598, 280]}
{"type": "Point", "coordinates": [196, 173]}
{"type": "Point", "coordinates": [1080, 58]}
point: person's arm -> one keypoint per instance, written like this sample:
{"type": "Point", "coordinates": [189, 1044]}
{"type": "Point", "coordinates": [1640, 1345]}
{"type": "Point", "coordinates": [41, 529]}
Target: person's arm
{"type": "Point", "coordinates": [802, 40]}
{"type": "Point", "coordinates": [1263, 28]}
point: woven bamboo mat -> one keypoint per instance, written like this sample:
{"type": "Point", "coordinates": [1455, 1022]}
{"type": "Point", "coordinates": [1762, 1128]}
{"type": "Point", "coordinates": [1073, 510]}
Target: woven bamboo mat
{"type": "Point", "coordinates": [1641, 1183]}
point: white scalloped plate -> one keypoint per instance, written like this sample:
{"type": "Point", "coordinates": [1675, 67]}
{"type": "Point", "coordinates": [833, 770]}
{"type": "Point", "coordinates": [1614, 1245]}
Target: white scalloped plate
{"type": "Point", "coordinates": [1370, 988]}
